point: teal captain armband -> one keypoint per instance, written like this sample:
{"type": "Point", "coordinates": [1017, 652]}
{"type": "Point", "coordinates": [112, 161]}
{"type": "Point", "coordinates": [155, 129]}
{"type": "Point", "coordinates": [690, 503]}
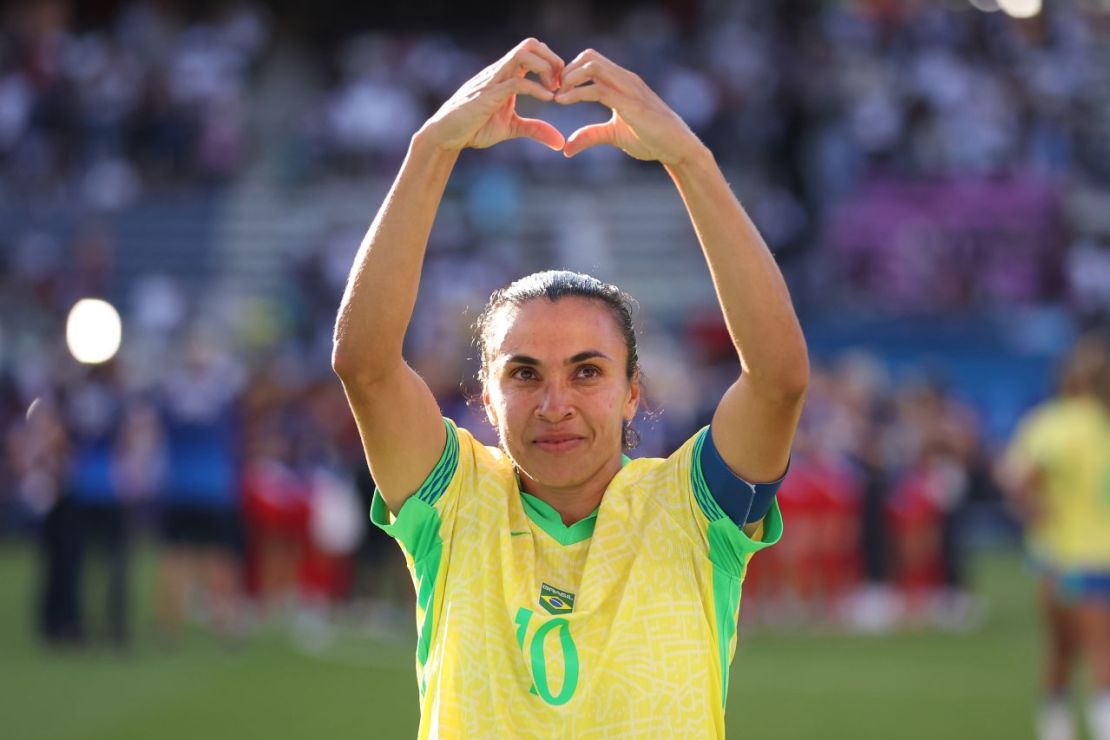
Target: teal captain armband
{"type": "Point", "coordinates": [743, 502]}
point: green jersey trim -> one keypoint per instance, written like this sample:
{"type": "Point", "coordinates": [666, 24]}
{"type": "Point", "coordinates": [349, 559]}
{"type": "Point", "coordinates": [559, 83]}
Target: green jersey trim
{"type": "Point", "coordinates": [730, 548]}
{"type": "Point", "coordinates": [549, 520]}
{"type": "Point", "coordinates": [440, 477]}
{"type": "Point", "coordinates": [702, 495]}
{"type": "Point", "coordinates": [546, 518]}
{"type": "Point", "coordinates": [729, 551]}
{"type": "Point", "coordinates": [732, 545]}
{"type": "Point", "coordinates": [416, 527]}
{"type": "Point", "coordinates": [726, 609]}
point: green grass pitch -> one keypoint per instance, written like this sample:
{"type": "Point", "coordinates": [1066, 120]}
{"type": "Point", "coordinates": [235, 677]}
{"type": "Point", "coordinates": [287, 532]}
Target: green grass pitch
{"type": "Point", "coordinates": [912, 685]}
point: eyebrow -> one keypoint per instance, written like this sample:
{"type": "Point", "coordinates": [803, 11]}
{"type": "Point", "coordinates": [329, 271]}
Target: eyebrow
{"type": "Point", "coordinates": [580, 357]}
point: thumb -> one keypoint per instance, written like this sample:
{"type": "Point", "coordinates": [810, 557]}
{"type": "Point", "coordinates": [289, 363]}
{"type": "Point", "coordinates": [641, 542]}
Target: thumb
{"type": "Point", "coordinates": [541, 131]}
{"type": "Point", "coordinates": [588, 136]}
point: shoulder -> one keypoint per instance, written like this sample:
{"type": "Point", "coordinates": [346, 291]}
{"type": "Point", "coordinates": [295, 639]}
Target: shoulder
{"type": "Point", "coordinates": [1038, 414]}
{"type": "Point", "coordinates": [480, 475]}
{"type": "Point", "coordinates": [1040, 422]}
{"type": "Point", "coordinates": [678, 486]}
{"type": "Point", "coordinates": [664, 483]}
{"type": "Point", "coordinates": [468, 475]}
{"type": "Point", "coordinates": [1063, 417]}
{"type": "Point", "coordinates": [662, 473]}
{"type": "Point", "coordinates": [472, 452]}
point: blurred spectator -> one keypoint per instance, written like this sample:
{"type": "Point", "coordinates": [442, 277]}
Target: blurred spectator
{"type": "Point", "coordinates": [145, 100]}
{"type": "Point", "coordinates": [276, 504]}
{"type": "Point", "coordinates": [94, 416]}
{"type": "Point", "coordinates": [201, 515]}
{"type": "Point", "coordinates": [40, 449]}
{"type": "Point", "coordinates": [945, 450]}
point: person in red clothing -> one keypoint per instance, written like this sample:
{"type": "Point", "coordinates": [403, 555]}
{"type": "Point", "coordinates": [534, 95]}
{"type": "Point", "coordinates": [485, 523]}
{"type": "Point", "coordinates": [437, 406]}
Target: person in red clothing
{"type": "Point", "coordinates": [276, 502]}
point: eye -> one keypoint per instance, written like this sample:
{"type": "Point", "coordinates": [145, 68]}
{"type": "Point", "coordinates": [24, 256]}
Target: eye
{"type": "Point", "coordinates": [589, 371]}
{"type": "Point", "coordinates": [524, 373]}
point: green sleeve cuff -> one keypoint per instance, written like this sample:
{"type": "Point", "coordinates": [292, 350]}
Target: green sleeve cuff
{"type": "Point", "coordinates": [772, 530]}
{"type": "Point", "coordinates": [730, 549]}
{"type": "Point", "coordinates": [440, 477]}
{"type": "Point", "coordinates": [416, 525]}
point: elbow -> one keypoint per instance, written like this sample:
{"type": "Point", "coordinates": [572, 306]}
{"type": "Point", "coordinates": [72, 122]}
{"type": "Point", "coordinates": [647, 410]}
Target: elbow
{"type": "Point", "coordinates": [354, 356]}
{"type": "Point", "coordinates": [794, 380]}
{"type": "Point", "coordinates": [358, 369]}
{"type": "Point", "coordinates": [795, 373]}
{"type": "Point", "coordinates": [344, 362]}
{"type": "Point", "coordinates": [787, 383]}
{"type": "Point", "coordinates": [340, 366]}
{"type": "Point", "coordinates": [792, 387]}
{"type": "Point", "coordinates": [349, 356]}
{"type": "Point", "coordinates": [351, 372]}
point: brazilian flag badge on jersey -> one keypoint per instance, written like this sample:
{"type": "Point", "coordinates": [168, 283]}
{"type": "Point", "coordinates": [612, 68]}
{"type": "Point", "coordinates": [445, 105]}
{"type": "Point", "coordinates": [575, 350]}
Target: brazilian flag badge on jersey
{"type": "Point", "coordinates": [556, 601]}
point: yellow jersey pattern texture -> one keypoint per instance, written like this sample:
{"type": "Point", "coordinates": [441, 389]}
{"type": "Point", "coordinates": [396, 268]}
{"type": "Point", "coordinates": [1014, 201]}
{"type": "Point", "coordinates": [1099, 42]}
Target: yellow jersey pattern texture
{"type": "Point", "coordinates": [620, 625]}
{"type": "Point", "coordinates": [1068, 441]}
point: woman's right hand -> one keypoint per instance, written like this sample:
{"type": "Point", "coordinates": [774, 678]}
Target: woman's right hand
{"type": "Point", "coordinates": [483, 111]}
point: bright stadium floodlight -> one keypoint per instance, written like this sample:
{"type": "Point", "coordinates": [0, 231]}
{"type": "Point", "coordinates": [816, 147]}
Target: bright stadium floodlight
{"type": "Point", "coordinates": [1020, 8]}
{"type": "Point", "coordinates": [987, 6]}
{"type": "Point", "coordinates": [93, 331]}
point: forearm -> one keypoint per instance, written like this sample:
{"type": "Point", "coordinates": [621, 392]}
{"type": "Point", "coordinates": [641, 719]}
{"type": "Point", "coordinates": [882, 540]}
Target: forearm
{"type": "Point", "coordinates": [381, 290]}
{"type": "Point", "coordinates": [749, 285]}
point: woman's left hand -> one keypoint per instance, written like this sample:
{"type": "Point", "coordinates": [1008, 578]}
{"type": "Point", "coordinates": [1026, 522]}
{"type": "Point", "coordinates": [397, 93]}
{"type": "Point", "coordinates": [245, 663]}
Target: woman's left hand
{"type": "Point", "coordinates": [642, 126]}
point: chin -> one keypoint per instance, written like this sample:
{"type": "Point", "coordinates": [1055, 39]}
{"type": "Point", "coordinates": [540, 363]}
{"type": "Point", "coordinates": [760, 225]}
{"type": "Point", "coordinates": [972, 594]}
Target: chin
{"type": "Point", "coordinates": [565, 472]}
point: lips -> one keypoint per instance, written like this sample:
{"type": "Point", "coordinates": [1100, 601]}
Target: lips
{"type": "Point", "coordinates": [557, 442]}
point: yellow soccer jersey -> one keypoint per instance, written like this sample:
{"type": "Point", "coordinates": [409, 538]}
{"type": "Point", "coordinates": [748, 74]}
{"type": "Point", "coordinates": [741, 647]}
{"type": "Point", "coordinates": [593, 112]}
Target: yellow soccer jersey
{"type": "Point", "coordinates": [1068, 441]}
{"type": "Point", "coordinates": [621, 625]}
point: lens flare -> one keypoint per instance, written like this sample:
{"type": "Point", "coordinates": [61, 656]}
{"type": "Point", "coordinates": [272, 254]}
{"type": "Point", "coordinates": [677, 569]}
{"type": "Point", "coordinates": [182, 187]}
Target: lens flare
{"type": "Point", "coordinates": [93, 331]}
{"type": "Point", "coordinates": [1020, 8]}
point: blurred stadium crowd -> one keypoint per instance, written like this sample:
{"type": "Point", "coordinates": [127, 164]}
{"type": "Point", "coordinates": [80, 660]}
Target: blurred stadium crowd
{"type": "Point", "coordinates": [903, 159]}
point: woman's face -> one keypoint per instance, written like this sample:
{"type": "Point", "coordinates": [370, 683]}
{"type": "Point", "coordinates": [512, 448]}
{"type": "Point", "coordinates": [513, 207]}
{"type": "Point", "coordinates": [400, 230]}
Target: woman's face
{"type": "Point", "coordinates": [556, 389]}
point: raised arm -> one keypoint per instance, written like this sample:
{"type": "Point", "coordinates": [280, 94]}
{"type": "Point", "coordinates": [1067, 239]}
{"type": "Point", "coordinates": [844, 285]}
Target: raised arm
{"type": "Point", "coordinates": [397, 416]}
{"type": "Point", "coordinates": [754, 423]}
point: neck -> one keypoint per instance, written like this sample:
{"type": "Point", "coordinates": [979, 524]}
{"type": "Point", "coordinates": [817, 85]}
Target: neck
{"type": "Point", "coordinates": [577, 501]}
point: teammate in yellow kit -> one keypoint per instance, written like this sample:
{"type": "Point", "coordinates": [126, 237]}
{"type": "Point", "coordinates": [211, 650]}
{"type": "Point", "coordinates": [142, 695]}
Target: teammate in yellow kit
{"type": "Point", "coordinates": [1058, 470]}
{"type": "Point", "coordinates": [563, 589]}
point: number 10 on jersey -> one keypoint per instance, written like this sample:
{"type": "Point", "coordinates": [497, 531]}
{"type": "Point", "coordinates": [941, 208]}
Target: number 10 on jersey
{"type": "Point", "coordinates": [539, 660]}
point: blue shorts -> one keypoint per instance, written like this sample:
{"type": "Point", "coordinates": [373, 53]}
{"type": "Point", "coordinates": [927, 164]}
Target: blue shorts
{"type": "Point", "coordinates": [1075, 586]}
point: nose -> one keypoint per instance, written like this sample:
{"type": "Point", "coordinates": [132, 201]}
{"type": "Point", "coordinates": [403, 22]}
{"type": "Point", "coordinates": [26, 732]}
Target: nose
{"type": "Point", "coordinates": [555, 406]}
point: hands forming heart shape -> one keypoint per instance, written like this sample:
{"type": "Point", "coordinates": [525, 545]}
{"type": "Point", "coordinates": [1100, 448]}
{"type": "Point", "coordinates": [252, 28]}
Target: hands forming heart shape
{"type": "Point", "coordinates": [483, 111]}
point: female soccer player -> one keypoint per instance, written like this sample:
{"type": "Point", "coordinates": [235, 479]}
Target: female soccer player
{"type": "Point", "coordinates": [1057, 472]}
{"type": "Point", "coordinates": [563, 589]}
